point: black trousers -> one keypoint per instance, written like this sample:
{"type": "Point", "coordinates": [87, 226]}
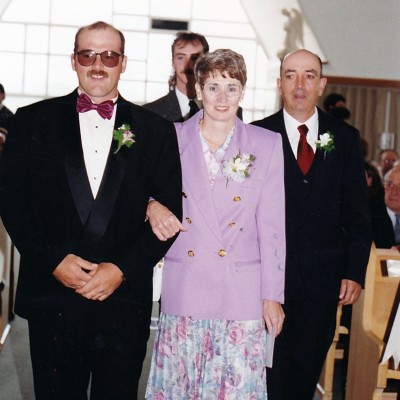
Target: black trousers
{"type": "Point", "coordinates": [100, 342]}
{"type": "Point", "coordinates": [300, 350]}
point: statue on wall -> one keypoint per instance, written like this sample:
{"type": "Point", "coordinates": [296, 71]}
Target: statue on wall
{"type": "Point", "coordinates": [294, 32]}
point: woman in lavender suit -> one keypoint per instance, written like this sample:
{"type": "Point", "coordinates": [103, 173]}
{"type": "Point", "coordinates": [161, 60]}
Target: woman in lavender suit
{"type": "Point", "coordinates": [223, 279]}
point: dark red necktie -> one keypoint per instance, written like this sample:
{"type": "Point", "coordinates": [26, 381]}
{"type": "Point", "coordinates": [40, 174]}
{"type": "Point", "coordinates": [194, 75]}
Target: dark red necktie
{"type": "Point", "coordinates": [105, 109]}
{"type": "Point", "coordinates": [305, 153]}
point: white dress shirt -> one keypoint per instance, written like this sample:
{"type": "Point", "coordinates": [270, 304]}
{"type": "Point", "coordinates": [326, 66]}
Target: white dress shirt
{"type": "Point", "coordinates": [184, 103]}
{"type": "Point", "coordinates": [96, 137]}
{"type": "Point", "coordinates": [392, 216]}
{"type": "Point", "coordinates": [291, 125]}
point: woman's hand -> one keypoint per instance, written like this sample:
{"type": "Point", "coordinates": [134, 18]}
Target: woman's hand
{"type": "Point", "coordinates": [162, 221]}
{"type": "Point", "coordinates": [273, 316]}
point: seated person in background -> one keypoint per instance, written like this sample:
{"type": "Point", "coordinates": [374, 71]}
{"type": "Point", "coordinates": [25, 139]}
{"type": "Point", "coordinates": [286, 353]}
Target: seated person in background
{"type": "Point", "coordinates": [386, 223]}
{"type": "Point", "coordinates": [387, 158]}
{"type": "Point", "coordinates": [382, 228]}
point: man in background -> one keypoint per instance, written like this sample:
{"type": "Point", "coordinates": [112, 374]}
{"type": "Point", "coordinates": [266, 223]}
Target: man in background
{"type": "Point", "coordinates": [387, 158]}
{"type": "Point", "coordinates": [180, 103]}
{"type": "Point", "coordinates": [328, 229]}
{"type": "Point", "coordinates": [335, 105]}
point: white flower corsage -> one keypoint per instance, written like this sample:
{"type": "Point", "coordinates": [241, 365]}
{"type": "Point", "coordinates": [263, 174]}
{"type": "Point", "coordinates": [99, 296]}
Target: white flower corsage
{"type": "Point", "coordinates": [124, 136]}
{"type": "Point", "coordinates": [238, 168]}
{"type": "Point", "coordinates": [325, 142]}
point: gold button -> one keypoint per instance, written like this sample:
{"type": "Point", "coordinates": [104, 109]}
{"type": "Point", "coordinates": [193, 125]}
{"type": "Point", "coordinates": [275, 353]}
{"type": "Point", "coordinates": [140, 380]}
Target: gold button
{"type": "Point", "coordinates": [222, 253]}
{"type": "Point", "coordinates": [237, 198]}
{"type": "Point", "coordinates": [184, 195]}
{"type": "Point", "coordinates": [191, 253]}
{"type": "Point", "coordinates": [188, 220]}
{"type": "Point", "coordinates": [232, 224]}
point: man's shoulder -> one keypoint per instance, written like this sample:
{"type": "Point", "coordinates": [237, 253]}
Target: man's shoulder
{"type": "Point", "coordinates": [271, 122]}
{"type": "Point", "coordinates": [261, 132]}
{"type": "Point", "coordinates": [336, 126]}
{"type": "Point", "coordinates": [5, 113]}
{"type": "Point", "coordinates": [167, 107]}
{"type": "Point", "coordinates": [45, 104]}
{"type": "Point", "coordinates": [162, 101]}
{"type": "Point", "coordinates": [144, 116]}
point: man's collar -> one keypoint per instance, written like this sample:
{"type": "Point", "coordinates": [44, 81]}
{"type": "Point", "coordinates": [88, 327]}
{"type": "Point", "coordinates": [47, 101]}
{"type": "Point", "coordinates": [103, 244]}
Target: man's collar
{"type": "Point", "coordinates": [114, 99]}
{"type": "Point", "coordinates": [294, 121]}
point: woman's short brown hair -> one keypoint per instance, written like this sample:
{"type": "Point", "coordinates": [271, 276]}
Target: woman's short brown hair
{"type": "Point", "coordinates": [223, 61]}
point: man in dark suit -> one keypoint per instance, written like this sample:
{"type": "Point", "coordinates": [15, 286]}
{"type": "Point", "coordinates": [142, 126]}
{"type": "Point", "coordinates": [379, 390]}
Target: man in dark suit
{"type": "Point", "coordinates": [327, 225]}
{"type": "Point", "coordinates": [180, 103]}
{"type": "Point", "coordinates": [75, 179]}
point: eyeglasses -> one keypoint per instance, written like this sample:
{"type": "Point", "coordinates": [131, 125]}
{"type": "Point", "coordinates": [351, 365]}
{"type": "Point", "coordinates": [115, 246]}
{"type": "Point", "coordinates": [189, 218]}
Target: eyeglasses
{"type": "Point", "coordinates": [88, 57]}
{"type": "Point", "coordinates": [231, 89]}
{"type": "Point", "coordinates": [391, 185]}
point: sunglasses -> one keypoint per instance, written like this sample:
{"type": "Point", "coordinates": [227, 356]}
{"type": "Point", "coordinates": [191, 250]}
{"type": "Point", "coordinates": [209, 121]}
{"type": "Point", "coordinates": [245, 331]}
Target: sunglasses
{"type": "Point", "coordinates": [88, 57]}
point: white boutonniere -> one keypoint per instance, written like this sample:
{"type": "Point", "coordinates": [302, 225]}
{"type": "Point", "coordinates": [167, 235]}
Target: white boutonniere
{"type": "Point", "coordinates": [124, 136]}
{"type": "Point", "coordinates": [326, 143]}
{"type": "Point", "coordinates": [238, 168]}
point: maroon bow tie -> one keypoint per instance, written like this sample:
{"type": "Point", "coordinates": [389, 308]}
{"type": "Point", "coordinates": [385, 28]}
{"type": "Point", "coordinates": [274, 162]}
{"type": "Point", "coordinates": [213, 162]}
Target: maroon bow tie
{"type": "Point", "coordinates": [105, 109]}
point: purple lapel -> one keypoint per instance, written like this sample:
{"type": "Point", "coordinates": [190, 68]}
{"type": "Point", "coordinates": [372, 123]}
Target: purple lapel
{"type": "Point", "coordinates": [195, 174]}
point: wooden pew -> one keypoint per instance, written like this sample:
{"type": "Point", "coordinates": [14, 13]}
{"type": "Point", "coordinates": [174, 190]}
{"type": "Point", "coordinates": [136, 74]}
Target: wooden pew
{"type": "Point", "coordinates": [367, 379]}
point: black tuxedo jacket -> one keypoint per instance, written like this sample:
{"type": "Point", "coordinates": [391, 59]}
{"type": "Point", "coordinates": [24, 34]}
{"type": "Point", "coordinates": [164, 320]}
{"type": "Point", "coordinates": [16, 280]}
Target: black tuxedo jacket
{"type": "Point", "coordinates": [168, 107]}
{"type": "Point", "coordinates": [328, 231]}
{"type": "Point", "coordinates": [49, 211]}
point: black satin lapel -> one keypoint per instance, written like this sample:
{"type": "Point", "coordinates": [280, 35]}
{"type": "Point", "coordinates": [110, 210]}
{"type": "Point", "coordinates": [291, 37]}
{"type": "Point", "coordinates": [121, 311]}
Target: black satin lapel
{"type": "Point", "coordinates": [110, 185]}
{"type": "Point", "coordinates": [106, 197]}
{"type": "Point", "coordinates": [74, 163]}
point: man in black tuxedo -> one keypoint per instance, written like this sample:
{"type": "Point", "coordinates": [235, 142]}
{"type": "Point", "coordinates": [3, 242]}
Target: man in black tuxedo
{"type": "Point", "coordinates": [75, 179]}
{"type": "Point", "coordinates": [327, 226]}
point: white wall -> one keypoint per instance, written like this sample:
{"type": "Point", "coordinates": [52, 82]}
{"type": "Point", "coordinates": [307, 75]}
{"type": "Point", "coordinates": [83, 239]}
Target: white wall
{"type": "Point", "coordinates": [360, 38]}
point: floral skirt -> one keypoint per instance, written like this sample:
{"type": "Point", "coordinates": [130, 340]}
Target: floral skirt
{"type": "Point", "coordinates": [208, 360]}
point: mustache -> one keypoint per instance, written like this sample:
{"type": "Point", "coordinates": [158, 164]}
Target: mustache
{"type": "Point", "coordinates": [99, 72]}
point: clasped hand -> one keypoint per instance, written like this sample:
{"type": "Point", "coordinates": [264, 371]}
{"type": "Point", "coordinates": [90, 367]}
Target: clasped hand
{"type": "Point", "coordinates": [90, 280]}
{"type": "Point", "coordinates": [163, 223]}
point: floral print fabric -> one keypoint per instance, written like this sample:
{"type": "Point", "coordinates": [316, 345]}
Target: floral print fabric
{"type": "Point", "coordinates": [208, 360]}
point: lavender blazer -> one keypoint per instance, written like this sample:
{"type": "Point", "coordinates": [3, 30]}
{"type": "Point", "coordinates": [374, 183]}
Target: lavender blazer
{"type": "Point", "coordinates": [233, 255]}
